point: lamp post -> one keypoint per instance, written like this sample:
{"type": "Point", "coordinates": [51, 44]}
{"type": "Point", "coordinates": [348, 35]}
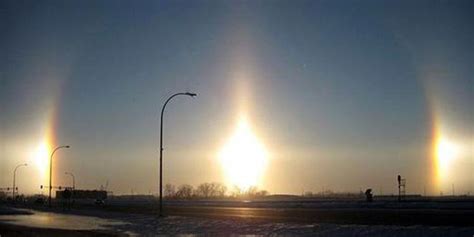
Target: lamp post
{"type": "Point", "coordinates": [51, 172]}
{"type": "Point", "coordinates": [14, 178]}
{"type": "Point", "coordinates": [73, 180]}
{"type": "Point", "coordinates": [161, 144]}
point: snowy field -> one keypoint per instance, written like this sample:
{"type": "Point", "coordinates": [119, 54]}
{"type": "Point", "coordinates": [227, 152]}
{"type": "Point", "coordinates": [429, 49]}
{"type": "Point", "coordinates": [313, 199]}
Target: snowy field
{"type": "Point", "coordinates": [201, 226]}
{"type": "Point", "coordinates": [145, 225]}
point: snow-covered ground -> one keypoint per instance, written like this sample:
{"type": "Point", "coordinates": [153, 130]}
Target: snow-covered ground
{"type": "Point", "coordinates": [149, 225]}
{"type": "Point", "coordinates": [201, 226]}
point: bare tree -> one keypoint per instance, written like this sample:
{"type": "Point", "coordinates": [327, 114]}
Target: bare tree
{"type": "Point", "coordinates": [204, 190]}
{"type": "Point", "coordinates": [185, 191]}
{"type": "Point", "coordinates": [251, 191]}
{"type": "Point", "coordinates": [220, 189]}
{"type": "Point", "coordinates": [211, 190]}
{"type": "Point", "coordinates": [237, 192]}
{"type": "Point", "coordinates": [170, 191]}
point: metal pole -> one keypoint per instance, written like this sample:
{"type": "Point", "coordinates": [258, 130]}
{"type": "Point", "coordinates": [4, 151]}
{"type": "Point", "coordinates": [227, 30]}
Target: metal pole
{"type": "Point", "coordinates": [14, 178]}
{"type": "Point", "coordinates": [399, 179]}
{"type": "Point", "coordinates": [161, 146]}
{"type": "Point", "coordinates": [51, 172]}
{"type": "Point", "coordinates": [73, 180]}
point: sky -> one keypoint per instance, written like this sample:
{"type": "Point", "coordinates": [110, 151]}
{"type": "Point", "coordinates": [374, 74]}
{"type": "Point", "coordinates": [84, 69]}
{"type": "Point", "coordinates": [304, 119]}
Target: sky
{"type": "Point", "coordinates": [337, 95]}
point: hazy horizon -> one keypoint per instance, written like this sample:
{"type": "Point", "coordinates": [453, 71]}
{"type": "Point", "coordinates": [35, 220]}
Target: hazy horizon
{"type": "Point", "coordinates": [340, 95]}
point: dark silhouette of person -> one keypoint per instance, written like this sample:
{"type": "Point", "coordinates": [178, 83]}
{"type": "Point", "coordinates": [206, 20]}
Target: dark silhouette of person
{"type": "Point", "coordinates": [368, 195]}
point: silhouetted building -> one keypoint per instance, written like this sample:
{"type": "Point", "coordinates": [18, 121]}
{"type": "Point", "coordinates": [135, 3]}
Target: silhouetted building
{"type": "Point", "coordinates": [82, 194]}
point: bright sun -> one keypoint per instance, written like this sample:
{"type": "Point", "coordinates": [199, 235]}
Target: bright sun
{"type": "Point", "coordinates": [40, 157]}
{"type": "Point", "coordinates": [446, 151]}
{"type": "Point", "coordinates": [243, 158]}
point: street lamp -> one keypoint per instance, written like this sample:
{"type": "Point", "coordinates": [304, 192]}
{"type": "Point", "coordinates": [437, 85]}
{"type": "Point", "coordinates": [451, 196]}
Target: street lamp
{"type": "Point", "coordinates": [161, 145]}
{"type": "Point", "coordinates": [14, 178]}
{"type": "Point", "coordinates": [51, 171]}
{"type": "Point", "coordinates": [73, 180]}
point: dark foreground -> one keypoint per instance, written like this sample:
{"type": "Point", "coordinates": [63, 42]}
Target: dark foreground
{"type": "Point", "coordinates": [16, 230]}
{"type": "Point", "coordinates": [443, 212]}
{"type": "Point", "coordinates": [336, 216]}
{"type": "Point", "coordinates": [296, 219]}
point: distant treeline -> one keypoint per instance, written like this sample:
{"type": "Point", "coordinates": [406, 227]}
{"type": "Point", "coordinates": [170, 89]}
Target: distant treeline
{"type": "Point", "coordinates": [210, 190]}
{"type": "Point", "coordinates": [330, 193]}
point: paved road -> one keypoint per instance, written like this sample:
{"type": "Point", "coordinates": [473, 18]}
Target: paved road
{"type": "Point", "coordinates": [338, 216]}
{"type": "Point", "coordinates": [433, 214]}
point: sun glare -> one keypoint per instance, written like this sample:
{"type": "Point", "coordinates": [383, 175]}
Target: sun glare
{"type": "Point", "coordinates": [40, 157]}
{"type": "Point", "coordinates": [446, 152]}
{"type": "Point", "coordinates": [243, 158]}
